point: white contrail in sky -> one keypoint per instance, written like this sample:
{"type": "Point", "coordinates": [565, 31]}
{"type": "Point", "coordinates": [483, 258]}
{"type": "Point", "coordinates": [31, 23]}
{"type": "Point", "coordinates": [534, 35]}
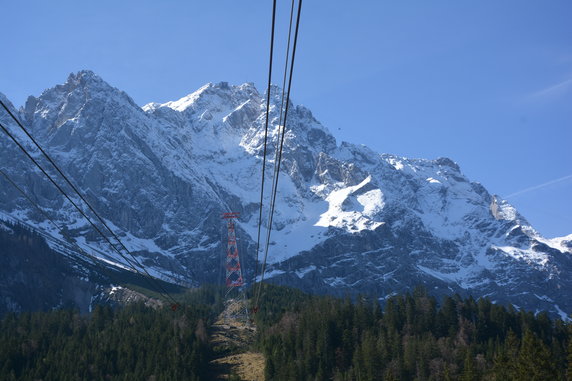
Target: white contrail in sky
{"type": "Point", "coordinates": [536, 187]}
{"type": "Point", "coordinates": [561, 88]}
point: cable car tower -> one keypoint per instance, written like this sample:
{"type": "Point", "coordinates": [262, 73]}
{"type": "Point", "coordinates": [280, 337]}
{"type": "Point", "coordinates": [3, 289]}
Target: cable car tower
{"type": "Point", "coordinates": [234, 279]}
{"type": "Point", "coordinates": [232, 264]}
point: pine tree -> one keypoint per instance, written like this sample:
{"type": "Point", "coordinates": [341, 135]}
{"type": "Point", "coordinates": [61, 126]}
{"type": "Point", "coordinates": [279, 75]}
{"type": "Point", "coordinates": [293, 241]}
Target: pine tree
{"type": "Point", "coordinates": [505, 360]}
{"type": "Point", "coordinates": [469, 371]}
{"type": "Point", "coordinates": [569, 371]}
{"type": "Point", "coordinates": [534, 362]}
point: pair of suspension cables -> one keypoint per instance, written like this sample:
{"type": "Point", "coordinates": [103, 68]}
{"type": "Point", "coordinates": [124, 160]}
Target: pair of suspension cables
{"type": "Point", "coordinates": [283, 117]}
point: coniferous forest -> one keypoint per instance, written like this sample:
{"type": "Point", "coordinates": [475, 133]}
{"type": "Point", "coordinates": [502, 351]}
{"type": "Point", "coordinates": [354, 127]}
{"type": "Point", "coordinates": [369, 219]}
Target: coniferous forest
{"type": "Point", "coordinates": [412, 338]}
{"type": "Point", "coordinates": [303, 337]}
{"type": "Point", "coordinates": [130, 343]}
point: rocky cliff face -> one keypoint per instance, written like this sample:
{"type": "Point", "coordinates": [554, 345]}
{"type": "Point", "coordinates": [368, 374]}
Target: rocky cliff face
{"type": "Point", "coordinates": [348, 219]}
{"type": "Point", "coordinates": [35, 277]}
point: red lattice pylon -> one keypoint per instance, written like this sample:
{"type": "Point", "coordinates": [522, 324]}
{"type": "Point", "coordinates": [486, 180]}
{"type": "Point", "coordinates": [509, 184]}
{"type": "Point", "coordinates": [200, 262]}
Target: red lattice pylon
{"type": "Point", "coordinates": [233, 271]}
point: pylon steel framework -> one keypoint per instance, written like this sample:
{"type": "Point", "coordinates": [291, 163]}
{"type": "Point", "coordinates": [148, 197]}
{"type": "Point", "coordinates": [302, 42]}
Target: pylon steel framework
{"type": "Point", "coordinates": [235, 304]}
{"type": "Point", "coordinates": [232, 264]}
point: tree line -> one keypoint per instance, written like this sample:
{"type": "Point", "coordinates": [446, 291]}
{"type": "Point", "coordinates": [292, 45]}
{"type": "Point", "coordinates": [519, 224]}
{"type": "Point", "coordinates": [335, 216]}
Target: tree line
{"type": "Point", "coordinates": [412, 338]}
{"type": "Point", "coordinates": [134, 342]}
{"type": "Point", "coordinates": [303, 337]}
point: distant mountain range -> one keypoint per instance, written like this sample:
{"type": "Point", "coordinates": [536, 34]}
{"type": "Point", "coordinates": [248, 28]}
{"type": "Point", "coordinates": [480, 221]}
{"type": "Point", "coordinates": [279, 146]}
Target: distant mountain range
{"type": "Point", "coordinates": [348, 219]}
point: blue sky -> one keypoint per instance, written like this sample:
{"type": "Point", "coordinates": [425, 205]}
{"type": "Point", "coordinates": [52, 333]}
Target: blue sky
{"type": "Point", "coordinates": [487, 83]}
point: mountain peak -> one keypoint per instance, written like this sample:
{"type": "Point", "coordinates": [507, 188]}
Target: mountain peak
{"type": "Point", "coordinates": [84, 75]}
{"type": "Point", "coordinates": [84, 79]}
{"type": "Point", "coordinates": [83, 93]}
{"type": "Point", "coordinates": [445, 161]}
{"type": "Point", "coordinates": [77, 89]}
{"type": "Point", "coordinates": [212, 94]}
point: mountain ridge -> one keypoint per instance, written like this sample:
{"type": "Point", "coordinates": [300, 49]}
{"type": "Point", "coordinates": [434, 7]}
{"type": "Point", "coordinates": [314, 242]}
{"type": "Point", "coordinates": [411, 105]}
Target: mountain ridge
{"type": "Point", "coordinates": [348, 219]}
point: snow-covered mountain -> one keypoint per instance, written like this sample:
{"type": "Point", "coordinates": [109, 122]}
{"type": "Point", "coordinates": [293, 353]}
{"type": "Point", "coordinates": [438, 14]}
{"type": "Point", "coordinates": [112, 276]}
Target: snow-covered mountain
{"type": "Point", "coordinates": [347, 219]}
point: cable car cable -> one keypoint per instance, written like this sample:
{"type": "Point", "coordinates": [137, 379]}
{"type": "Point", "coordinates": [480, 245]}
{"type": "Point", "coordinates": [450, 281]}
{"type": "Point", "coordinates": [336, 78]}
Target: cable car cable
{"type": "Point", "coordinates": [79, 194]}
{"type": "Point", "coordinates": [83, 213]}
{"type": "Point", "coordinates": [94, 258]}
{"type": "Point", "coordinates": [281, 148]}
{"type": "Point", "coordinates": [265, 136]}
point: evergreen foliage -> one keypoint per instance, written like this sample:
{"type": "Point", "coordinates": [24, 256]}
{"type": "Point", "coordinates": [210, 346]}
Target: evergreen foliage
{"type": "Point", "coordinates": [412, 339]}
{"type": "Point", "coordinates": [131, 343]}
{"type": "Point", "coordinates": [303, 337]}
